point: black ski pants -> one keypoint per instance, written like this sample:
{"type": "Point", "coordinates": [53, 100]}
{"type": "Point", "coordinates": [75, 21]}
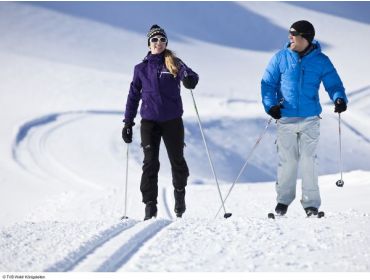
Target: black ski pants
{"type": "Point", "coordinates": [172, 133]}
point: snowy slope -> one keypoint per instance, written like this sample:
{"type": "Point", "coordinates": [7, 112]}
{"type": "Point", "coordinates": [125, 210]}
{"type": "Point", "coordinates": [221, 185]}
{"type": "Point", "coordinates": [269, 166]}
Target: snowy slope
{"type": "Point", "coordinates": [63, 88]}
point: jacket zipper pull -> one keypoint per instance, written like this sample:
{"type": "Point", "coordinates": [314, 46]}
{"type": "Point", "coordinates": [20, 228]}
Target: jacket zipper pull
{"type": "Point", "coordinates": [159, 71]}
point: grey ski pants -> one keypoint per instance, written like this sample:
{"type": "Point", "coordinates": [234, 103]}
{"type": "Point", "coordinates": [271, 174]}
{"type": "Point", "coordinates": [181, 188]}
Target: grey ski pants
{"type": "Point", "coordinates": [297, 141]}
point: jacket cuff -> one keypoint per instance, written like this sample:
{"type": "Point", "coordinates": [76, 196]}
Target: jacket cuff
{"type": "Point", "coordinates": [129, 122]}
{"type": "Point", "coordinates": [340, 95]}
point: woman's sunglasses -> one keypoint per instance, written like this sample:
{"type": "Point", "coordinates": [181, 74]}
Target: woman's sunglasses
{"type": "Point", "coordinates": [160, 39]}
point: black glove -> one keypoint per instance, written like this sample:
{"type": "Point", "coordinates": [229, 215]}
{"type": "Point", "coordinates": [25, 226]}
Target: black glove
{"type": "Point", "coordinates": [340, 105]}
{"type": "Point", "coordinates": [190, 82]}
{"type": "Point", "coordinates": [127, 133]}
{"type": "Point", "coordinates": [275, 111]}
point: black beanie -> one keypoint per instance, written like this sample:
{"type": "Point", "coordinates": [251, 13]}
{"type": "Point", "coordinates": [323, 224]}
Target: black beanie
{"type": "Point", "coordinates": [305, 29]}
{"type": "Point", "coordinates": [154, 31]}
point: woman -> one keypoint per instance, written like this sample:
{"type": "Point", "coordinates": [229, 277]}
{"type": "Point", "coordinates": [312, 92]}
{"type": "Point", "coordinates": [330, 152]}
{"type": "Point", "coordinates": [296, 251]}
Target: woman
{"type": "Point", "coordinates": [156, 82]}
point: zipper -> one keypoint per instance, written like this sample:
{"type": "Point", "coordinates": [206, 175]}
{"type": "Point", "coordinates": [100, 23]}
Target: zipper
{"type": "Point", "coordinates": [164, 72]}
{"type": "Point", "coordinates": [301, 72]}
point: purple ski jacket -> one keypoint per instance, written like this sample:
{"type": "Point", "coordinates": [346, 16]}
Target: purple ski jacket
{"type": "Point", "coordinates": [158, 89]}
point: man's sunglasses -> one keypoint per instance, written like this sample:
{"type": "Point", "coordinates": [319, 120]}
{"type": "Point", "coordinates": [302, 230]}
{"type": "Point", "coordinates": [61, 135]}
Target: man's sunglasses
{"type": "Point", "coordinates": [156, 39]}
{"type": "Point", "coordinates": [294, 33]}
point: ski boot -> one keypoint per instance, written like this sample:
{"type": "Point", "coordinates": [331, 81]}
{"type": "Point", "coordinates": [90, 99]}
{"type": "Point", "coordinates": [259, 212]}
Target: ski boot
{"type": "Point", "coordinates": [150, 210]}
{"type": "Point", "coordinates": [281, 209]}
{"type": "Point", "coordinates": [180, 206]}
{"type": "Point", "coordinates": [311, 211]}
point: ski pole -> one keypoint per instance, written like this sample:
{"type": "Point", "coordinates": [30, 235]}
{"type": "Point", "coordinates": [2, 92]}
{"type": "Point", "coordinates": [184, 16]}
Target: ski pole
{"type": "Point", "coordinates": [226, 215]}
{"type": "Point", "coordinates": [125, 205]}
{"type": "Point", "coordinates": [340, 182]}
{"type": "Point", "coordinates": [246, 162]}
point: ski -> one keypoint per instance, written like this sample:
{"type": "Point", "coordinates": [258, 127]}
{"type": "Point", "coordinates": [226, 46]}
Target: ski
{"type": "Point", "coordinates": [274, 216]}
{"type": "Point", "coordinates": [319, 215]}
{"type": "Point", "coordinates": [315, 214]}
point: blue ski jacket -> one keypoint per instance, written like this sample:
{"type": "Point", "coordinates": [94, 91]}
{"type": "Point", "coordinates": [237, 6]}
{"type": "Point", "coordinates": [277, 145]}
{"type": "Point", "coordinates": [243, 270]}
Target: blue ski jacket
{"type": "Point", "coordinates": [295, 81]}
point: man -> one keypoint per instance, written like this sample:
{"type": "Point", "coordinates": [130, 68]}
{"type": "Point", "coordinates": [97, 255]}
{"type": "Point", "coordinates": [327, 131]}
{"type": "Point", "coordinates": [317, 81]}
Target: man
{"type": "Point", "coordinates": [290, 87]}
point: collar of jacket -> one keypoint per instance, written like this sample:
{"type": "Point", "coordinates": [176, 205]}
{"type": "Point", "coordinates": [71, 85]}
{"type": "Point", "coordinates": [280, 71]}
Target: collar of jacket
{"type": "Point", "coordinates": [307, 50]}
{"type": "Point", "coordinates": [316, 49]}
{"type": "Point", "coordinates": [154, 58]}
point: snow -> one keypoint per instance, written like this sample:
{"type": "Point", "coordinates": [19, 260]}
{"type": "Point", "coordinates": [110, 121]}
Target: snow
{"type": "Point", "coordinates": [63, 86]}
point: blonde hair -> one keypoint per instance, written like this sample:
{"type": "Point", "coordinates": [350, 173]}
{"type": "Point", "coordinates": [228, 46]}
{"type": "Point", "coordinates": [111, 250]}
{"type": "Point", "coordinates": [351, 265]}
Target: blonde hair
{"type": "Point", "coordinates": [171, 62]}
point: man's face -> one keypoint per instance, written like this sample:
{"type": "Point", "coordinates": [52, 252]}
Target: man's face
{"type": "Point", "coordinates": [297, 42]}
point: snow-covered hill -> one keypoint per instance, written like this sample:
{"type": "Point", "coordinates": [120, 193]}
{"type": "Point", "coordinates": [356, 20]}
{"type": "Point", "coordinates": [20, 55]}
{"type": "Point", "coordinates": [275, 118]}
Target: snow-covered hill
{"type": "Point", "coordinates": [66, 69]}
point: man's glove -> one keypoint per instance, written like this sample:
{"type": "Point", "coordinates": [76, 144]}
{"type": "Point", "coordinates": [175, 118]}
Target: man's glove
{"type": "Point", "coordinates": [127, 133]}
{"type": "Point", "coordinates": [190, 82]}
{"type": "Point", "coordinates": [275, 111]}
{"type": "Point", "coordinates": [340, 105]}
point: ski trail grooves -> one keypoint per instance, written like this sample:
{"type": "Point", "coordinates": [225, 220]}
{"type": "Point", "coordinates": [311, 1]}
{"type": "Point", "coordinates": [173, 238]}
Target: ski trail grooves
{"type": "Point", "coordinates": [31, 151]}
{"type": "Point", "coordinates": [90, 246]}
{"type": "Point", "coordinates": [114, 253]}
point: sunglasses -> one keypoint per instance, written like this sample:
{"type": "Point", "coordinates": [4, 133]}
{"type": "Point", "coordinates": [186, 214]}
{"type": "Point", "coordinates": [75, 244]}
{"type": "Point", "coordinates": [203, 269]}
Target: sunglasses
{"type": "Point", "coordinates": [160, 39]}
{"type": "Point", "coordinates": [294, 33]}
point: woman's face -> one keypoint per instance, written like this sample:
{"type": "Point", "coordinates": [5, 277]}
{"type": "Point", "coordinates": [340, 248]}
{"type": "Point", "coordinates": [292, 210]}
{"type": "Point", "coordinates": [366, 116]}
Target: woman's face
{"type": "Point", "coordinates": [157, 44]}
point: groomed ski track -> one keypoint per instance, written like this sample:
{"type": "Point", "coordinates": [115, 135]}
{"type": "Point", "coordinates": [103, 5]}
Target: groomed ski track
{"type": "Point", "coordinates": [110, 249]}
{"type": "Point", "coordinates": [154, 245]}
{"type": "Point", "coordinates": [113, 249]}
